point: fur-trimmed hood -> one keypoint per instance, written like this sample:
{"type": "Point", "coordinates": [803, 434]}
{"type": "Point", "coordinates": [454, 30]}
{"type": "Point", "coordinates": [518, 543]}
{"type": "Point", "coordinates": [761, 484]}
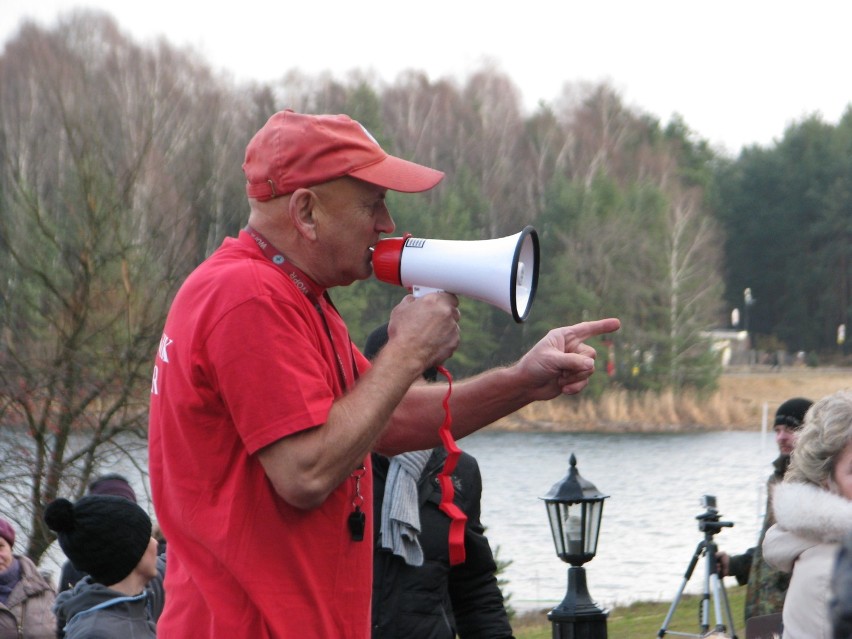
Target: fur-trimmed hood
{"type": "Point", "coordinates": [806, 516]}
{"type": "Point", "coordinates": [812, 512]}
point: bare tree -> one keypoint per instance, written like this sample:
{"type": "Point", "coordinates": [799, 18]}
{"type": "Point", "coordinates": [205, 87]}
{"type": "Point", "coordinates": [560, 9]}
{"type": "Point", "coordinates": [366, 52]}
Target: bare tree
{"type": "Point", "coordinates": [694, 285]}
{"type": "Point", "coordinates": [96, 232]}
{"type": "Point", "coordinates": [631, 234]}
{"type": "Point", "coordinates": [494, 150]}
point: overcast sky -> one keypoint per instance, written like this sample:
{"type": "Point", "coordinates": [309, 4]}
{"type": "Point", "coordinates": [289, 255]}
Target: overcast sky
{"type": "Point", "coordinates": [738, 72]}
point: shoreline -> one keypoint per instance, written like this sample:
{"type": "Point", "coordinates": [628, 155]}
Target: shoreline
{"type": "Point", "coordinates": [744, 399]}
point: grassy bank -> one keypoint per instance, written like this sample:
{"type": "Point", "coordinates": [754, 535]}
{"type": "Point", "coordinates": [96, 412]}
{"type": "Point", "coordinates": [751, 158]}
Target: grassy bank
{"type": "Point", "coordinates": [737, 404]}
{"type": "Point", "coordinates": [642, 620]}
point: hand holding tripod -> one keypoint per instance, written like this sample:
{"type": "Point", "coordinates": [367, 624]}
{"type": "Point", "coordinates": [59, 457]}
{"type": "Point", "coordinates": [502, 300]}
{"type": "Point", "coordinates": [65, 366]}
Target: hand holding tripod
{"type": "Point", "coordinates": [709, 524]}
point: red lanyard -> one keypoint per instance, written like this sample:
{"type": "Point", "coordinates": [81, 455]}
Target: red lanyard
{"type": "Point", "coordinates": [357, 519]}
{"type": "Point", "coordinates": [298, 278]}
{"type": "Point", "coordinates": [457, 517]}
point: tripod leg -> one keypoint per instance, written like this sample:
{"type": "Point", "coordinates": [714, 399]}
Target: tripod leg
{"type": "Point", "coordinates": [729, 615]}
{"type": "Point", "coordinates": [717, 605]}
{"type": "Point", "coordinates": [720, 595]}
{"type": "Point", "coordinates": [710, 589]}
{"type": "Point", "coordinates": [686, 576]}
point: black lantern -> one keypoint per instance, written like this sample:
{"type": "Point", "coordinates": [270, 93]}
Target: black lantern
{"type": "Point", "coordinates": [574, 508]}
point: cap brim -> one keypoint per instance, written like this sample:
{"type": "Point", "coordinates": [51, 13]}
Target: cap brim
{"type": "Point", "coordinates": [397, 174]}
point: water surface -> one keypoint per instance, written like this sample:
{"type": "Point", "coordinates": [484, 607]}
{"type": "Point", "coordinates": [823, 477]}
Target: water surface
{"type": "Point", "coordinates": [649, 531]}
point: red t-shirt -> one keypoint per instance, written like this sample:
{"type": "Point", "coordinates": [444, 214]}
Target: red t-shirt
{"type": "Point", "coordinates": [245, 359]}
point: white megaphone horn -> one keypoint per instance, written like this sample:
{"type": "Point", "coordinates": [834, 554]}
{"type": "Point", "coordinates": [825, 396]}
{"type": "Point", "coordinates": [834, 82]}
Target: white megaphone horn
{"type": "Point", "coordinates": [502, 272]}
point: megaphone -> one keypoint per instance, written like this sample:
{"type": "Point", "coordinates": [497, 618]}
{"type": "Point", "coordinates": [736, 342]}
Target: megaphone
{"type": "Point", "coordinates": [502, 272]}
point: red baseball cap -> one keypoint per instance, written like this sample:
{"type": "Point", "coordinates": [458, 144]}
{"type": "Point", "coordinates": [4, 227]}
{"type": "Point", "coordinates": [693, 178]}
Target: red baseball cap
{"type": "Point", "coordinates": [295, 150]}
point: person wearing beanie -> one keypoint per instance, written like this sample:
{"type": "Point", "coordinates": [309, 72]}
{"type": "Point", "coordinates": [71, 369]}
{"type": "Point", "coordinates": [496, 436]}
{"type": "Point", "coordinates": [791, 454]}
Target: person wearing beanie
{"type": "Point", "coordinates": [26, 597]}
{"type": "Point", "coordinates": [263, 412]}
{"type": "Point", "coordinates": [767, 586]}
{"type": "Point", "coordinates": [112, 484]}
{"type": "Point", "coordinates": [109, 538]}
{"type": "Point", "coordinates": [108, 484]}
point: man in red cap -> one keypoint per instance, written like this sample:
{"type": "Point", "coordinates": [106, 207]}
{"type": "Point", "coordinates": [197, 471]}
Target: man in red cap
{"type": "Point", "coordinates": [264, 414]}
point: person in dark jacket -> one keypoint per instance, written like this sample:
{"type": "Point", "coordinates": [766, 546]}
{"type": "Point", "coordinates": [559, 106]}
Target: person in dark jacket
{"type": "Point", "coordinates": [840, 604]}
{"type": "Point", "coordinates": [417, 594]}
{"type": "Point", "coordinates": [110, 539]}
{"type": "Point", "coordinates": [767, 586]}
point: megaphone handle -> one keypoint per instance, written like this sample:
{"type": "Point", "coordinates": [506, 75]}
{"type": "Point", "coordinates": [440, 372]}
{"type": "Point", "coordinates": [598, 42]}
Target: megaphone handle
{"type": "Point", "coordinates": [458, 519]}
{"type": "Point", "coordinates": [420, 291]}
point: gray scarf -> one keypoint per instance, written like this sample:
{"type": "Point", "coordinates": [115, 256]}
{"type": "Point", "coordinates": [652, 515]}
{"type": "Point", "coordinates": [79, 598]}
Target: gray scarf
{"type": "Point", "coordinates": [400, 523]}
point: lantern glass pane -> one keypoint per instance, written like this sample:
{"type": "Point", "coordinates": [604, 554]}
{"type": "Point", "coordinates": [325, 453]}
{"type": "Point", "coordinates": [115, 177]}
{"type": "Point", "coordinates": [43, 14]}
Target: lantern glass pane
{"type": "Point", "coordinates": [573, 530]}
{"type": "Point", "coordinates": [555, 526]}
{"type": "Point", "coordinates": [593, 512]}
{"type": "Point", "coordinates": [567, 525]}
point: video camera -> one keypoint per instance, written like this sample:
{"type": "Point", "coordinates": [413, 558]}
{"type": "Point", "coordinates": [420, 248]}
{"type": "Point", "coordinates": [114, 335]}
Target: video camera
{"type": "Point", "coordinates": [708, 521]}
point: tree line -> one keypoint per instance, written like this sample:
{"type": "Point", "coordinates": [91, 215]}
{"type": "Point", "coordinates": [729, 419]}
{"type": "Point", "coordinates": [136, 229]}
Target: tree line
{"type": "Point", "coordinates": [120, 172]}
{"type": "Point", "coordinates": [787, 214]}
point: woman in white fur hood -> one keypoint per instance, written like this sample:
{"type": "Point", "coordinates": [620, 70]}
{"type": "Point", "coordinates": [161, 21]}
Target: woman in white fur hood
{"type": "Point", "coordinates": [813, 511]}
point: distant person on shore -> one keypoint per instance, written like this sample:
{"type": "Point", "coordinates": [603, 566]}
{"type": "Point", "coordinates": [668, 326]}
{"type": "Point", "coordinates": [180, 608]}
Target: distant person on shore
{"type": "Point", "coordinates": [813, 513]}
{"type": "Point", "coordinates": [26, 597]}
{"type": "Point", "coordinates": [109, 484]}
{"type": "Point", "coordinates": [110, 539]}
{"type": "Point", "coordinates": [417, 594]}
{"type": "Point", "coordinates": [767, 586]}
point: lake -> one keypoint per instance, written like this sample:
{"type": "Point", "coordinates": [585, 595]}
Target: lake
{"type": "Point", "coordinates": [649, 530]}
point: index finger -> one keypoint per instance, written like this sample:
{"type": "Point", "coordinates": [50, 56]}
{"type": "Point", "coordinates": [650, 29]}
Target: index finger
{"type": "Point", "coordinates": [585, 330]}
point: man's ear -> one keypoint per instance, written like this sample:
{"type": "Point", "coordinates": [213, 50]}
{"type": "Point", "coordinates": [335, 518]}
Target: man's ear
{"type": "Point", "coordinates": [301, 211]}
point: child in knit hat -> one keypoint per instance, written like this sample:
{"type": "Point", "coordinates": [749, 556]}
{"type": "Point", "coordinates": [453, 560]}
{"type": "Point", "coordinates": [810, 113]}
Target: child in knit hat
{"type": "Point", "coordinates": [109, 538]}
{"type": "Point", "coordinates": [109, 484]}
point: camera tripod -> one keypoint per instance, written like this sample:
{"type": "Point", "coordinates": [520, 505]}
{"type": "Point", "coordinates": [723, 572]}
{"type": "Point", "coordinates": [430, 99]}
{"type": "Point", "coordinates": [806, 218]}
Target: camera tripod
{"type": "Point", "coordinates": [714, 589]}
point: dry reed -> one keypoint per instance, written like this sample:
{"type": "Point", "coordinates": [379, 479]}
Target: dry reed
{"type": "Point", "coordinates": [738, 404]}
